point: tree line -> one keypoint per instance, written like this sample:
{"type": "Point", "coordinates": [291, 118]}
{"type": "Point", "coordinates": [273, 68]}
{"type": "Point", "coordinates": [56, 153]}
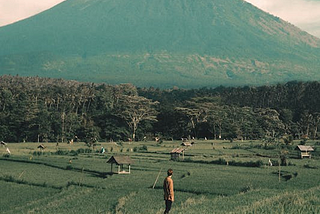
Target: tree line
{"type": "Point", "coordinates": [38, 109]}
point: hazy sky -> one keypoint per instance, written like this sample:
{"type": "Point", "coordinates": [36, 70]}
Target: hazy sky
{"type": "Point", "coordinates": [14, 10]}
{"type": "Point", "coordinates": [302, 13]}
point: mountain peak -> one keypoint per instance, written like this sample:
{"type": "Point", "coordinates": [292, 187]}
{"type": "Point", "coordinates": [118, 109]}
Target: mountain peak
{"type": "Point", "coordinates": [183, 42]}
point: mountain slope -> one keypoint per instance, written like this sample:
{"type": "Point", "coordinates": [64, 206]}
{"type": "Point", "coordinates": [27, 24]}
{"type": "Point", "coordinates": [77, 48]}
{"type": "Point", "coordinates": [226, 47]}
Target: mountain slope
{"type": "Point", "coordinates": [159, 43]}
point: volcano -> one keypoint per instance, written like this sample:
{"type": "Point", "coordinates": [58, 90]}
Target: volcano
{"type": "Point", "coordinates": [160, 43]}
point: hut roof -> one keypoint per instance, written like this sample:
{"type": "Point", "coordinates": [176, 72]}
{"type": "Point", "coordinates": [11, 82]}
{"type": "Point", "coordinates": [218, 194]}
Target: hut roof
{"type": "Point", "coordinates": [119, 159]}
{"type": "Point", "coordinates": [41, 146]}
{"type": "Point", "coordinates": [305, 148]}
{"type": "Point", "coordinates": [187, 144]}
{"type": "Point", "coordinates": [177, 150]}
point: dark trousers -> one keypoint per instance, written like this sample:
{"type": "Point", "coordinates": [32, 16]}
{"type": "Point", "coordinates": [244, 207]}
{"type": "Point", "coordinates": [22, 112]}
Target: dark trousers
{"type": "Point", "coordinates": [168, 206]}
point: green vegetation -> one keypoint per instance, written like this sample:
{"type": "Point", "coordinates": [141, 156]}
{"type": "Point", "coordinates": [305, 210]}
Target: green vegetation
{"type": "Point", "coordinates": [78, 180]}
{"type": "Point", "coordinates": [160, 44]}
{"type": "Point", "coordinates": [37, 109]}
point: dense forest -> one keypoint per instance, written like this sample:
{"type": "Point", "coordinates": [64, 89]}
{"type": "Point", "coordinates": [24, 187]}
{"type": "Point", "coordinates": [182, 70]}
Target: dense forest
{"type": "Point", "coordinates": [38, 109]}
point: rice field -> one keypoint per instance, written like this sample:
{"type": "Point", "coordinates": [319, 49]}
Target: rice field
{"type": "Point", "coordinates": [215, 177]}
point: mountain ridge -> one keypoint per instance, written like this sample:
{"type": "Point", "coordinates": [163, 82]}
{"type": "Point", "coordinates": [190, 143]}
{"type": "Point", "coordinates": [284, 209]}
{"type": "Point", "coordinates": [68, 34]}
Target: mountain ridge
{"type": "Point", "coordinates": [182, 42]}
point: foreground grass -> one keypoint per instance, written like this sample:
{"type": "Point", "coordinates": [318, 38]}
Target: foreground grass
{"type": "Point", "coordinates": [69, 183]}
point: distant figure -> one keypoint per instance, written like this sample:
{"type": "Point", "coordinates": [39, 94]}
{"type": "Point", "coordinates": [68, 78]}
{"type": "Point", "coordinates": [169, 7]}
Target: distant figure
{"type": "Point", "coordinates": [102, 150]}
{"type": "Point", "coordinates": [8, 151]}
{"type": "Point", "coordinates": [168, 191]}
{"type": "Point", "coordinates": [270, 163]}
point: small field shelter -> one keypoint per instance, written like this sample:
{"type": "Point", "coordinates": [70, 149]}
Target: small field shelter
{"type": "Point", "coordinates": [305, 151]}
{"type": "Point", "coordinates": [121, 162]}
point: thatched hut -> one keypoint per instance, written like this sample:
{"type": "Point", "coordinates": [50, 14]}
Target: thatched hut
{"type": "Point", "coordinates": [305, 151]}
{"type": "Point", "coordinates": [121, 161]}
{"type": "Point", "coordinates": [176, 153]}
{"type": "Point", "coordinates": [41, 147]}
{"type": "Point", "coordinates": [187, 144]}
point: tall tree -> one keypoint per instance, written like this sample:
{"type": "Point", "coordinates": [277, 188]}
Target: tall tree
{"type": "Point", "coordinates": [134, 109]}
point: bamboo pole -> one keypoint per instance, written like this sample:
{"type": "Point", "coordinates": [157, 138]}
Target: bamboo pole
{"type": "Point", "coordinates": [279, 172]}
{"type": "Point", "coordinates": [156, 179]}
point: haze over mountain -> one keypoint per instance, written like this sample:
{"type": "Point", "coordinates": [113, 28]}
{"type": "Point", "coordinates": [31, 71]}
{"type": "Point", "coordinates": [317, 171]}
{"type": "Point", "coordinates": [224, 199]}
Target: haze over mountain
{"type": "Point", "coordinates": [160, 43]}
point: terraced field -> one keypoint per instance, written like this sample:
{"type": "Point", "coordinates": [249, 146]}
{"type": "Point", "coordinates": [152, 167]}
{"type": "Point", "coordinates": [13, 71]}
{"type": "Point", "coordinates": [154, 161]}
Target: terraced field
{"type": "Point", "coordinates": [223, 177]}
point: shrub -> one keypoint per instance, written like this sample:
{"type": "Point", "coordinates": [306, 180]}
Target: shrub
{"type": "Point", "coordinates": [303, 142]}
{"type": "Point", "coordinates": [221, 161]}
{"type": "Point", "coordinates": [61, 152]}
{"type": "Point", "coordinates": [238, 146]}
{"type": "Point", "coordinates": [6, 155]}
{"type": "Point", "coordinates": [143, 148]}
{"type": "Point", "coordinates": [310, 167]}
{"type": "Point", "coordinates": [246, 188]}
{"type": "Point", "coordinates": [37, 153]}
{"type": "Point", "coordinates": [81, 151]}
{"type": "Point", "coordinates": [69, 167]}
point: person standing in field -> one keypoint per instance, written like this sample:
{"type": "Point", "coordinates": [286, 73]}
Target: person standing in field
{"type": "Point", "coordinates": [168, 191]}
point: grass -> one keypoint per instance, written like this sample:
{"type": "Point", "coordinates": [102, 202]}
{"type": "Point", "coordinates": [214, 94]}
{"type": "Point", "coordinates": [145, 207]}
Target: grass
{"type": "Point", "coordinates": [71, 182]}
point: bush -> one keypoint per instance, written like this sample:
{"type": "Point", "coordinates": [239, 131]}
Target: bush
{"type": "Point", "coordinates": [69, 167]}
{"type": "Point", "coordinates": [246, 189]}
{"type": "Point", "coordinates": [81, 151]}
{"type": "Point", "coordinates": [303, 142]}
{"type": "Point", "coordinates": [37, 153]}
{"type": "Point", "coordinates": [143, 148]}
{"type": "Point", "coordinates": [221, 161]}
{"type": "Point", "coordinates": [310, 167]}
{"type": "Point", "coordinates": [258, 163]}
{"type": "Point", "coordinates": [6, 155]}
{"type": "Point", "coordinates": [65, 152]}
{"type": "Point", "coordinates": [61, 152]}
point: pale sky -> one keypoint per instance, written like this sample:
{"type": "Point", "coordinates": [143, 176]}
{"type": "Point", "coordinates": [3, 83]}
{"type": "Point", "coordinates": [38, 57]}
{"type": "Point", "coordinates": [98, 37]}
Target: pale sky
{"type": "Point", "coordinates": [302, 13]}
{"type": "Point", "coordinates": [15, 10]}
{"type": "Point", "coordinates": [305, 14]}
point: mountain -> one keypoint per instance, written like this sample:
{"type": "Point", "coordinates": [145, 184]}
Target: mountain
{"type": "Point", "coordinates": [160, 43]}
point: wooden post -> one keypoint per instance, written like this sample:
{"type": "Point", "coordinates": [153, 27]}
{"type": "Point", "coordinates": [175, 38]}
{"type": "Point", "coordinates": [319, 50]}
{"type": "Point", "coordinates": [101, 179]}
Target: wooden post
{"type": "Point", "coordinates": [156, 179]}
{"type": "Point", "coordinates": [279, 172]}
